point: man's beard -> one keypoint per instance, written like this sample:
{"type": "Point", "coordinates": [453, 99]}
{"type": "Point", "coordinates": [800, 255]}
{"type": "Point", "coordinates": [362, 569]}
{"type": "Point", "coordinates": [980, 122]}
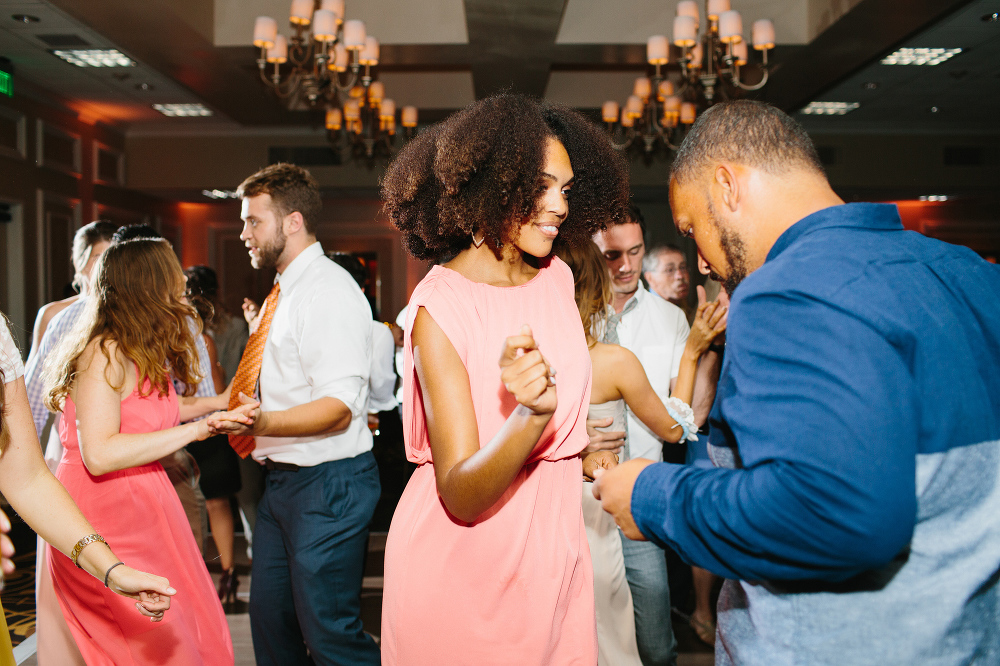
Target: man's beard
{"type": "Point", "coordinates": [271, 251]}
{"type": "Point", "coordinates": [734, 251]}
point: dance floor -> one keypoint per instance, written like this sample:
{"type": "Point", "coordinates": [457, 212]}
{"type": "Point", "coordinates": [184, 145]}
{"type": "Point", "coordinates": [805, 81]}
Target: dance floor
{"type": "Point", "coordinates": [19, 602]}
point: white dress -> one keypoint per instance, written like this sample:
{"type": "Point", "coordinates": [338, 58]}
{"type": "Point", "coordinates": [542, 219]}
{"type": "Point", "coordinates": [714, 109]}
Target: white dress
{"type": "Point", "coordinates": [10, 357]}
{"type": "Point", "coordinates": [616, 645]}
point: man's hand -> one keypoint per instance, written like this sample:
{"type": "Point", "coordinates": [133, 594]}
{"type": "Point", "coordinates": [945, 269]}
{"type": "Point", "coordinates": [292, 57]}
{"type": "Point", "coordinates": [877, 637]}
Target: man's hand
{"type": "Point", "coordinates": [604, 441]}
{"type": "Point", "coordinates": [250, 312]}
{"type": "Point", "coordinates": [244, 420]}
{"type": "Point", "coordinates": [613, 488]}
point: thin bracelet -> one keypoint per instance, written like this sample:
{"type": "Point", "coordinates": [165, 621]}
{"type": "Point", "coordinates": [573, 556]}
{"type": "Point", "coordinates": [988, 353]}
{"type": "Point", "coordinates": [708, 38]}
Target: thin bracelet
{"type": "Point", "coordinates": [108, 572]}
{"type": "Point", "coordinates": [83, 543]}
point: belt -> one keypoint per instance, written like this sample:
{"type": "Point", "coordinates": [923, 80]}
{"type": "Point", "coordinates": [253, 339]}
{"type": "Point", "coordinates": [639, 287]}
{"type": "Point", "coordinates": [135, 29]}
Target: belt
{"type": "Point", "coordinates": [272, 465]}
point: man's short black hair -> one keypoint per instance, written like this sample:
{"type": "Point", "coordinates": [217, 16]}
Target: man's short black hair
{"type": "Point", "coordinates": [134, 231]}
{"type": "Point", "coordinates": [745, 132]}
{"type": "Point", "coordinates": [635, 215]}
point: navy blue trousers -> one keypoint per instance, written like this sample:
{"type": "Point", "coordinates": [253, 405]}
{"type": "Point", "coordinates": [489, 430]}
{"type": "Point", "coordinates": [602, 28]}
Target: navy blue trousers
{"type": "Point", "coordinates": [309, 550]}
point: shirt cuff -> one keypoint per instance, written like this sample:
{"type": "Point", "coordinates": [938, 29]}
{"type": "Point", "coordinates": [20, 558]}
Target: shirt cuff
{"type": "Point", "coordinates": [651, 499]}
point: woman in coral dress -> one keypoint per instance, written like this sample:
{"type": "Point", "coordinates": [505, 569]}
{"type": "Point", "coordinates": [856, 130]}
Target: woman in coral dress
{"type": "Point", "coordinates": [487, 559]}
{"type": "Point", "coordinates": [120, 416]}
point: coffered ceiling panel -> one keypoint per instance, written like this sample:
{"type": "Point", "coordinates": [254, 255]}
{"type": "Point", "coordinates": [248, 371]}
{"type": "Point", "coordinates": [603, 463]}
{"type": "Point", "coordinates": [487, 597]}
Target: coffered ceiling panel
{"type": "Point", "coordinates": [429, 90]}
{"type": "Point", "coordinates": [391, 21]}
{"type": "Point", "coordinates": [589, 90]}
{"type": "Point", "coordinates": [632, 21]}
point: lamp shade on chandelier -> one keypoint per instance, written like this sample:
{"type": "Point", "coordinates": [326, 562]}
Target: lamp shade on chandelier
{"type": "Point", "coordinates": [329, 56]}
{"type": "Point", "coordinates": [711, 65]}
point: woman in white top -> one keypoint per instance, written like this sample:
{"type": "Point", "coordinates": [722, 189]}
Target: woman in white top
{"type": "Point", "coordinates": [619, 380]}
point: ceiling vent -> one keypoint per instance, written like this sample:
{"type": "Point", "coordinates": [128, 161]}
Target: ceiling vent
{"type": "Point", "coordinates": [63, 41]}
{"type": "Point", "coordinates": [963, 156]}
{"type": "Point", "coordinates": [304, 155]}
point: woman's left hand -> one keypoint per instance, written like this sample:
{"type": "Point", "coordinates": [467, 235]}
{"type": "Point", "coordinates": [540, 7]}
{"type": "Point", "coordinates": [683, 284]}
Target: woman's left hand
{"type": "Point", "coordinates": [709, 323]}
{"type": "Point", "coordinates": [237, 421]}
{"type": "Point", "coordinates": [151, 593]}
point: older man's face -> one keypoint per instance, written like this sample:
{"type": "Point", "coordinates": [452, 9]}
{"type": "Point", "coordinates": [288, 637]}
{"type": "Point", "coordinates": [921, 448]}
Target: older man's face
{"type": "Point", "coordinates": [671, 279]}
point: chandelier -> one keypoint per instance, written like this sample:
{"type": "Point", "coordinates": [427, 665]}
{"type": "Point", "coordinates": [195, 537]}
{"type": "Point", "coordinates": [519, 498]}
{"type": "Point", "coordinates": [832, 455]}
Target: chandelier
{"type": "Point", "coordinates": [659, 110]}
{"type": "Point", "coordinates": [326, 58]}
{"type": "Point", "coordinates": [366, 124]}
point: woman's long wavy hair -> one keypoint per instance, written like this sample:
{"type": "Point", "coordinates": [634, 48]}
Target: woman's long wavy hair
{"type": "Point", "coordinates": [592, 285]}
{"type": "Point", "coordinates": [137, 304]}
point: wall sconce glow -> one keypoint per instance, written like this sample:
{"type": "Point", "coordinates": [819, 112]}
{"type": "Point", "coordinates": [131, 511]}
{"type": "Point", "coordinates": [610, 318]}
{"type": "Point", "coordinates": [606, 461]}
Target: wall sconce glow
{"type": "Point", "coordinates": [183, 110]}
{"type": "Point", "coordinates": [934, 197]}
{"type": "Point", "coordinates": [920, 56]}
{"type": "Point", "coordinates": [94, 57]}
{"type": "Point", "coordinates": [829, 108]}
{"type": "Point", "coordinates": [219, 194]}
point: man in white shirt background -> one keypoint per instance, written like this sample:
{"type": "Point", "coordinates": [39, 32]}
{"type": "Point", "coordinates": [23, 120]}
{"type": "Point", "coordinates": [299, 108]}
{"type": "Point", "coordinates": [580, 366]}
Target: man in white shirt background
{"type": "Point", "coordinates": [656, 332]}
{"type": "Point", "coordinates": [313, 355]}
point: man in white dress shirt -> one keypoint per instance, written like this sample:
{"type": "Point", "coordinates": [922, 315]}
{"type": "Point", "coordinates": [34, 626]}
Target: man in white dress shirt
{"type": "Point", "coordinates": [311, 434]}
{"type": "Point", "coordinates": [656, 332]}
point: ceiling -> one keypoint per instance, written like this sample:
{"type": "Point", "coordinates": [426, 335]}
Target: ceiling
{"type": "Point", "coordinates": [442, 54]}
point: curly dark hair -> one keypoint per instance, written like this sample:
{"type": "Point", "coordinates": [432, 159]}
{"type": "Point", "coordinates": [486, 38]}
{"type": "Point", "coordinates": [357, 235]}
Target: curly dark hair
{"type": "Point", "coordinates": [480, 171]}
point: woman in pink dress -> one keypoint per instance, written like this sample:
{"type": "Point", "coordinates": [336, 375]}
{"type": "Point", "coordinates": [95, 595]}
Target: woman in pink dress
{"type": "Point", "coordinates": [112, 381]}
{"type": "Point", "coordinates": [487, 559]}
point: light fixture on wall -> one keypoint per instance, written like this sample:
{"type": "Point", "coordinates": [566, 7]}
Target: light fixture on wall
{"type": "Point", "coordinates": [329, 57]}
{"type": "Point", "coordinates": [711, 66]}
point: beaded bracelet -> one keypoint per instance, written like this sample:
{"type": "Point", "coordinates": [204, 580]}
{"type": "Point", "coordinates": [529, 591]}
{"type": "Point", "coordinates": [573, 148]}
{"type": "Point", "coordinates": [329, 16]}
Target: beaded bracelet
{"type": "Point", "coordinates": [83, 543]}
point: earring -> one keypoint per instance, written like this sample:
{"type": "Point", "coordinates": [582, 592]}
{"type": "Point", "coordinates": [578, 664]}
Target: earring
{"type": "Point", "coordinates": [478, 242]}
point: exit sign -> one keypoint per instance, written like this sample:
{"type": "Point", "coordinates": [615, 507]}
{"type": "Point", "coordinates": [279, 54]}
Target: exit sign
{"type": "Point", "coordinates": [6, 84]}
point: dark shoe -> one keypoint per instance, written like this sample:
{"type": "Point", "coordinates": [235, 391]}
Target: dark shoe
{"type": "Point", "coordinates": [228, 585]}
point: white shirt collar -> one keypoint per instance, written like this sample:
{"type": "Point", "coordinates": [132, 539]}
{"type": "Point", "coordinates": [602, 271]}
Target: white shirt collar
{"type": "Point", "coordinates": [295, 269]}
{"type": "Point", "coordinates": [639, 295]}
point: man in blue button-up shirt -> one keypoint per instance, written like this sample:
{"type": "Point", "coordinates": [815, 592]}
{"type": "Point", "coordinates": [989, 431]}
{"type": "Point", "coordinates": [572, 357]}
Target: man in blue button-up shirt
{"type": "Point", "coordinates": [856, 427]}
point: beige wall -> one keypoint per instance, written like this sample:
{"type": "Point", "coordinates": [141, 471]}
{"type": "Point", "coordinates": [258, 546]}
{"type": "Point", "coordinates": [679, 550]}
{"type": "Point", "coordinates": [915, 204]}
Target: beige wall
{"type": "Point", "coordinates": [52, 193]}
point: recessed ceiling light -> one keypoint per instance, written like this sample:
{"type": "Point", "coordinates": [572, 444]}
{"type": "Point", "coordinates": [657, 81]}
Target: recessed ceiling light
{"type": "Point", "coordinates": [144, 87]}
{"type": "Point", "coordinates": [94, 57]}
{"type": "Point", "coordinates": [219, 194]}
{"type": "Point", "coordinates": [178, 110]}
{"type": "Point", "coordinates": [935, 197]}
{"type": "Point", "coordinates": [992, 16]}
{"type": "Point", "coordinates": [920, 56]}
{"type": "Point", "coordinates": [25, 18]}
{"type": "Point", "coordinates": [829, 108]}
{"type": "Point", "coordinates": [870, 85]}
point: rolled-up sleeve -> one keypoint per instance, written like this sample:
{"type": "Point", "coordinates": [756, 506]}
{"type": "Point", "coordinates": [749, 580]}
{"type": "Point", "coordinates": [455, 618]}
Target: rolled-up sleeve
{"type": "Point", "coordinates": [821, 411]}
{"type": "Point", "coordinates": [334, 341]}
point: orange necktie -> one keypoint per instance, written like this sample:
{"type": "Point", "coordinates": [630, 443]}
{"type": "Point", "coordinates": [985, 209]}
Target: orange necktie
{"type": "Point", "coordinates": [245, 380]}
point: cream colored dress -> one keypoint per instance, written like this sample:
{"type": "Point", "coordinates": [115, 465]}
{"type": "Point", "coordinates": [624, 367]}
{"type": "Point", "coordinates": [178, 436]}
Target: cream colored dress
{"type": "Point", "coordinates": [616, 644]}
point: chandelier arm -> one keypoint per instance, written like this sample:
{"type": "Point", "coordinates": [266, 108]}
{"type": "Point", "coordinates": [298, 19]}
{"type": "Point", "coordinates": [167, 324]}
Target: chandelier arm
{"type": "Point", "coordinates": [743, 86]}
{"type": "Point", "coordinates": [666, 140]}
{"type": "Point", "coordinates": [285, 89]}
{"type": "Point", "coordinates": [351, 82]}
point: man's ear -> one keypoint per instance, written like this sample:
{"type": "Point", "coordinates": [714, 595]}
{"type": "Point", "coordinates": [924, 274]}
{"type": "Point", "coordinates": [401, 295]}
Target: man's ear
{"type": "Point", "coordinates": [292, 223]}
{"type": "Point", "coordinates": [727, 186]}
